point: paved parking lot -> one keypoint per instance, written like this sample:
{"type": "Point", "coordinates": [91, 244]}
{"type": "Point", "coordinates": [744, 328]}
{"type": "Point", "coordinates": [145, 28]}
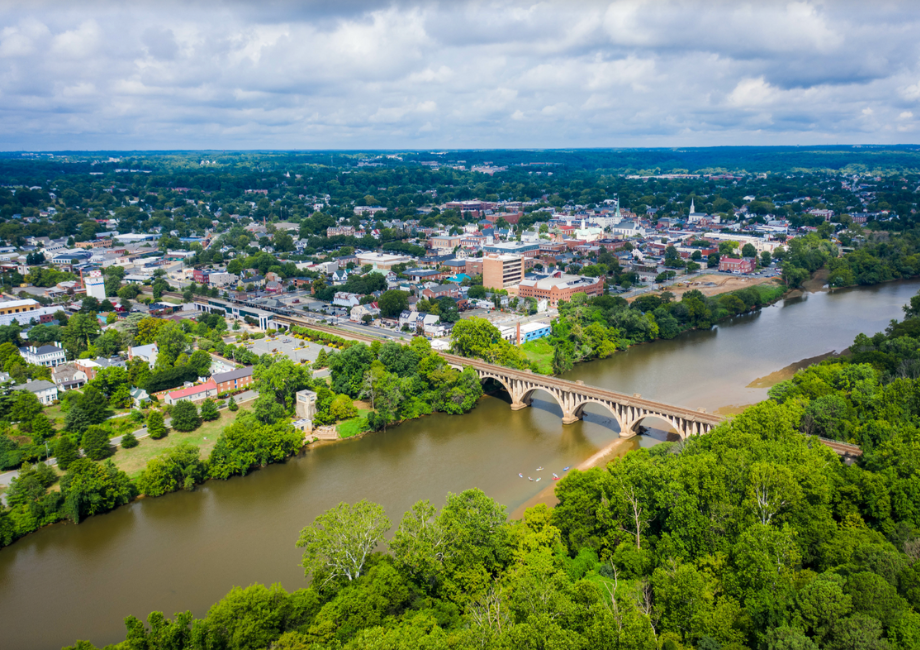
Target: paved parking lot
{"type": "Point", "coordinates": [294, 349]}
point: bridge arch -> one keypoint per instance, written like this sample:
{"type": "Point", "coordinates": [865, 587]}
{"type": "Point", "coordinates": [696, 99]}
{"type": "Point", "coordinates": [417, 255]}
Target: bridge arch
{"type": "Point", "coordinates": [579, 410]}
{"type": "Point", "coordinates": [527, 392]}
{"type": "Point", "coordinates": [500, 380]}
{"type": "Point", "coordinates": [681, 430]}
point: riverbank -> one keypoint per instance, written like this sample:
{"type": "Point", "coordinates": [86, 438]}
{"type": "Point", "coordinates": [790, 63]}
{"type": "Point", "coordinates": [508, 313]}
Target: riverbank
{"type": "Point", "coordinates": [187, 549]}
{"type": "Point", "coordinates": [540, 353]}
{"type": "Point", "coordinates": [713, 284]}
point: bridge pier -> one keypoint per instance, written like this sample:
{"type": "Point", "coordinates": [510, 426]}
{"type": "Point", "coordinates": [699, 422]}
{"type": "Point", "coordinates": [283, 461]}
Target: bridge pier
{"type": "Point", "coordinates": [570, 418]}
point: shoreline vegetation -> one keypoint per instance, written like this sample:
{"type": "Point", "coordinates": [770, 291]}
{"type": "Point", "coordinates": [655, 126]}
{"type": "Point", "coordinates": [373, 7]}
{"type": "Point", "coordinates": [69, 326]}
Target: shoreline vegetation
{"type": "Point", "coordinates": [787, 546]}
{"type": "Point", "coordinates": [586, 329]}
{"type": "Point", "coordinates": [181, 467]}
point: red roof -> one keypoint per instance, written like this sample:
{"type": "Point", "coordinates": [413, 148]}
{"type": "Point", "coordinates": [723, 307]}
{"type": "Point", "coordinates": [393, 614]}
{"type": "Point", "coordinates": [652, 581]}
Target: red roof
{"type": "Point", "coordinates": [194, 390]}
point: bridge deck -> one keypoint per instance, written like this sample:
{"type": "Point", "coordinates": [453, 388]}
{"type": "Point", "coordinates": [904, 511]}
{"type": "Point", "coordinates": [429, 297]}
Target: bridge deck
{"type": "Point", "coordinates": [841, 448]}
{"type": "Point", "coordinates": [589, 391]}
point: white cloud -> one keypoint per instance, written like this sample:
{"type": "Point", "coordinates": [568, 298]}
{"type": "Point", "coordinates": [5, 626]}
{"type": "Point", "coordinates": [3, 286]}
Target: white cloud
{"type": "Point", "coordinates": [514, 73]}
{"type": "Point", "coordinates": [752, 93]}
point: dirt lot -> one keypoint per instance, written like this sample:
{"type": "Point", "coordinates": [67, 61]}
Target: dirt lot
{"type": "Point", "coordinates": [716, 283]}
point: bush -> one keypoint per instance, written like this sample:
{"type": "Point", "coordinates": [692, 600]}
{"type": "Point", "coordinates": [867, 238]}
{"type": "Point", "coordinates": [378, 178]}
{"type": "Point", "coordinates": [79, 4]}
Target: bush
{"type": "Point", "coordinates": [185, 416]}
{"type": "Point", "coordinates": [232, 405]}
{"type": "Point", "coordinates": [128, 441]}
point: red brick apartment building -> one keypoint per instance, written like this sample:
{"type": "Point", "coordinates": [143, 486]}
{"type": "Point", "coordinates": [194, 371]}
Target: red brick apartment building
{"type": "Point", "coordinates": [742, 265]}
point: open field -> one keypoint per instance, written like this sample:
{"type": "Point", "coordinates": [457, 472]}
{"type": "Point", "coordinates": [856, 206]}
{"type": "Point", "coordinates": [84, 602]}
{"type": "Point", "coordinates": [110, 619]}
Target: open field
{"type": "Point", "coordinates": [540, 351]}
{"type": "Point", "coordinates": [714, 284]}
{"type": "Point", "coordinates": [133, 461]}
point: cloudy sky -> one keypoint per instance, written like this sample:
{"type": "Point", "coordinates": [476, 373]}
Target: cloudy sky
{"type": "Point", "coordinates": [352, 74]}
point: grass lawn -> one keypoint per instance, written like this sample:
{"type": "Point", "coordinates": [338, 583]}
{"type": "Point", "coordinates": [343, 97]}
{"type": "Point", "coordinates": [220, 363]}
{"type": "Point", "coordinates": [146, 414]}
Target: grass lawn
{"type": "Point", "coordinates": [133, 461]}
{"type": "Point", "coordinates": [354, 426]}
{"type": "Point", "coordinates": [540, 352]}
{"type": "Point", "coordinates": [56, 415]}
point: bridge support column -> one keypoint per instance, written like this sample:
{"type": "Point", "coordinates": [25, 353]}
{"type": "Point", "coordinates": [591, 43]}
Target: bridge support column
{"type": "Point", "coordinates": [518, 405]}
{"type": "Point", "coordinates": [570, 418]}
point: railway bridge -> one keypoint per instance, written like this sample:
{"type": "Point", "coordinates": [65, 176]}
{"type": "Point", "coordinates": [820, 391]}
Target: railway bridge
{"type": "Point", "coordinates": [574, 396]}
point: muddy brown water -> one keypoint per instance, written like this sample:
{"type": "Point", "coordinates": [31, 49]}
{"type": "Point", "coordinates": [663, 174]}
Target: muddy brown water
{"type": "Point", "coordinates": [186, 550]}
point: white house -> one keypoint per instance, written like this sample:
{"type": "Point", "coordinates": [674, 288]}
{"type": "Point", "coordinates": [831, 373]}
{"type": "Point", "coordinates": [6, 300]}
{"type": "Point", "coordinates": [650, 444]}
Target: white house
{"type": "Point", "coordinates": [146, 352]}
{"type": "Point", "coordinates": [345, 299]}
{"type": "Point", "coordinates": [433, 326]}
{"type": "Point", "coordinates": [45, 391]}
{"type": "Point", "coordinates": [45, 355]}
{"type": "Point", "coordinates": [360, 311]}
{"type": "Point", "coordinates": [628, 229]}
{"type": "Point", "coordinates": [222, 279]}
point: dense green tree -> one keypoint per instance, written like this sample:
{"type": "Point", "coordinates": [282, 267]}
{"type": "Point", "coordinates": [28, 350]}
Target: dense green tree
{"type": "Point", "coordinates": [185, 416]}
{"type": "Point", "coordinates": [156, 426]}
{"type": "Point", "coordinates": [209, 410]}
{"type": "Point", "coordinates": [25, 407]}
{"type": "Point", "coordinates": [171, 342]}
{"type": "Point", "coordinates": [42, 429]}
{"type": "Point", "coordinates": [66, 452]}
{"type": "Point", "coordinates": [392, 303]}
{"type": "Point", "coordinates": [90, 488]}
{"type": "Point", "coordinates": [178, 468]}
{"type": "Point", "coordinates": [201, 362]}
{"type": "Point", "coordinates": [348, 369]}
{"type": "Point", "coordinates": [95, 443]}
{"type": "Point", "coordinates": [340, 541]}
{"type": "Point", "coordinates": [249, 442]}
{"type": "Point", "coordinates": [89, 409]}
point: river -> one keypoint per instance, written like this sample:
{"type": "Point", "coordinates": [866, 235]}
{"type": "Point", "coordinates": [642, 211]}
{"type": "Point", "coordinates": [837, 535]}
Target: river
{"type": "Point", "coordinates": [186, 550]}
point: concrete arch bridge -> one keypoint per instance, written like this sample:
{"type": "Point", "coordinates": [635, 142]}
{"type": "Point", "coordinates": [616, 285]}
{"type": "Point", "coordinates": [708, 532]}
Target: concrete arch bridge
{"type": "Point", "coordinates": [574, 396]}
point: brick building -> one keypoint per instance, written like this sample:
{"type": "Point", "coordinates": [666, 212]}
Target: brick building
{"type": "Point", "coordinates": [502, 271]}
{"type": "Point", "coordinates": [560, 286]}
{"type": "Point", "coordinates": [473, 266]}
{"type": "Point", "coordinates": [441, 291]}
{"type": "Point", "coordinates": [741, 265]}
{"type": "Point", "coordinates": [233, 380]}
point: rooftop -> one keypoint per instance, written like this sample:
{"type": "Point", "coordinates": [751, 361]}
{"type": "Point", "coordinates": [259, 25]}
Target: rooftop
{"type": "Point", "coordinates": [193, 390]}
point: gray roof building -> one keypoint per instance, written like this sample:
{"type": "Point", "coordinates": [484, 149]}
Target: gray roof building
{"type": "Point", "coordinates": [237, 373]}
